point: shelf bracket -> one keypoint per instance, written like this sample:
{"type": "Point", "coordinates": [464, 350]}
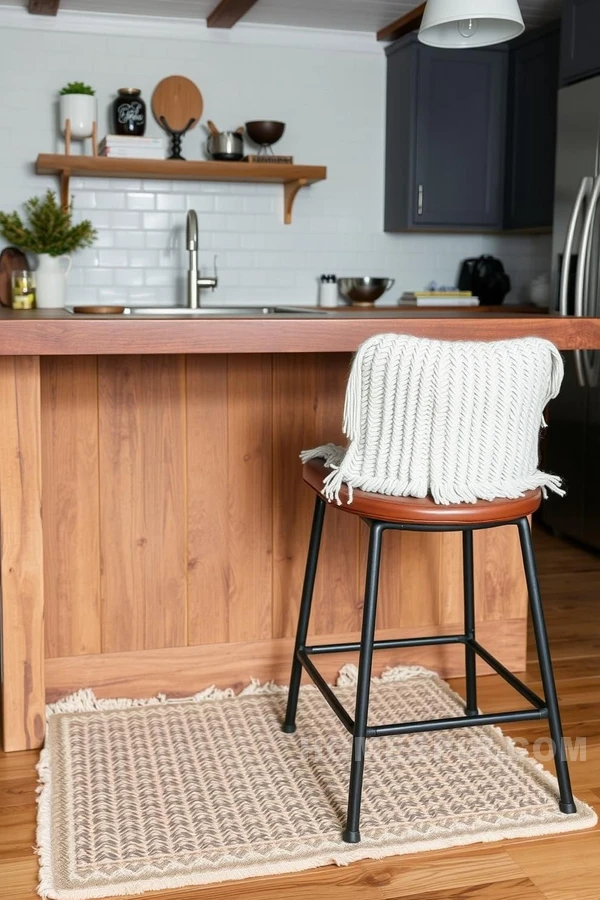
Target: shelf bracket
{"type": "Point", "coordinates": [290, 189]}
{"type": "Point", "coordinates": [65, 177]}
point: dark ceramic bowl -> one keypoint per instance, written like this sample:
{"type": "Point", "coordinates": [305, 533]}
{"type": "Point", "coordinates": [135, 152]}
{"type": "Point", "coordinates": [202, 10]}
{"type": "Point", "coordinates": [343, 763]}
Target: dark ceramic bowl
{"type": "Point", "coordinates": [265, 132]}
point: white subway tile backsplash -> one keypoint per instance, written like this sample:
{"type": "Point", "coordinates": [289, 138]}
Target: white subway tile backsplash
{"type": "Point", "coordinates": [100, 218]}
{"type": "Point", "coordinates": [129, 277]}
{"type": "Point", "coordinates": [156, 221]}
{"type": "Point", "coordinates": [82, 295]}
{"type": "Point", "coordinates": [253, 241]}
{"type": "Point", "coordinates": [104, 238]}
{"type": "Point", "coordinates": [170, 202]}
{"type": "Point", "coordinates": [155, 187]}
{"type": "Point", "coordinates": [156, 240]}
{"type": "Point", "coordinates": [87, 258]}
{"type": "Point", "coordinates": [200, 202]}
{"type": "Point", "coordinates": [229, 204]}
{"type": "Point", "coordinates": [224, 241]}
{"type": "Point", "coordinates": [129, 240]}
{"type": "Point", "coordinates": [84, 200]}
{"type": "Point", "coordinates": [270, 278]}
{"type": "Point", "coordinates": [124, 184]}
{"type": "Point", "coordinates": [126, 220]}
{"type": "Point", "coordinates": [259, 204]}
{"type": "Point", "coordinates": [110, 200]}
{"type": "Point", "coordinates": [158, 277]}
{"type": "Point", "coordinates": [141, 201]}
{"type": "Point", "coordinates": [148, 297]}
{"type": "Point", "coordinates": [98, 277]}
{"type": "Point", "coordinates": [113, 257]}
{"type": "Point", "coordinates": [113, 295]}
{"type": "Point", "coordinates": [141, 259]}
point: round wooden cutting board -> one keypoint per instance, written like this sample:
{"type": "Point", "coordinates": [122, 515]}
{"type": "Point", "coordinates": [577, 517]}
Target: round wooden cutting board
{"type": "Point", "coordinates": [177, 100]}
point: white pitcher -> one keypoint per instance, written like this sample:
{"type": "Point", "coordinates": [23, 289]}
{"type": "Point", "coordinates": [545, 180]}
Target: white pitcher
{"type": "Point", "coordinates": [51, 280]}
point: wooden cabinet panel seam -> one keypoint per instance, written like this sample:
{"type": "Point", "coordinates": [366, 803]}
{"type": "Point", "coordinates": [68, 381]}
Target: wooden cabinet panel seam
{"type": "Point", "coordinates": [208, 568]}
{"type": "Point", "coordinates": [142, 522]}
{"type": "Point", "coordinates": [21, 570]}
{"type": "Point", "coordinates": [250, 501]}
{"type": "Point", "coordinates": [70, 507]}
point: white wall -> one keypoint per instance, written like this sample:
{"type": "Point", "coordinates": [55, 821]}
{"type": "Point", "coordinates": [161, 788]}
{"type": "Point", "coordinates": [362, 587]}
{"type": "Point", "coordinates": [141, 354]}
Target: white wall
{"type": "Point", "coordinates": [331, 93]}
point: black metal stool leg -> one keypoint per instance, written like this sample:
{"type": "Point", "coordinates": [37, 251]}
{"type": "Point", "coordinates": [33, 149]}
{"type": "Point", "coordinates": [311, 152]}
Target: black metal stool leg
{"type": "Point", "coordinates": [566, 804]}
{"type": "Point", "coordinates": [469, 601]}
{"type": "Point", "coordinates": [352, 833]}
{"type": "Point", "coordinates": [289, 726]}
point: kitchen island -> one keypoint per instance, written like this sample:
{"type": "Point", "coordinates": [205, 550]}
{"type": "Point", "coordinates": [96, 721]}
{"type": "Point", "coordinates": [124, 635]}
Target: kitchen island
{"type": "Point", "coordinates": [154, 522]}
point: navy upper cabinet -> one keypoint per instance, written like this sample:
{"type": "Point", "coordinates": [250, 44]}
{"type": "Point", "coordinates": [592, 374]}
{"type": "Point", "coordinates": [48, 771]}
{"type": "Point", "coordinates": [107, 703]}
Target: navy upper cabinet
{"type": "Point", "coordinates": [580, 44]}
{"type": "Point", "coordinates": [446, 117]}
{"type": "Point", "coordinates": [533, 86]}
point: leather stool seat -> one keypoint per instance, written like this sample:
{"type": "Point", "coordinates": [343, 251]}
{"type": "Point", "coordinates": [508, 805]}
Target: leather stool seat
{"type": "Point", "coordinates": [424, 510]}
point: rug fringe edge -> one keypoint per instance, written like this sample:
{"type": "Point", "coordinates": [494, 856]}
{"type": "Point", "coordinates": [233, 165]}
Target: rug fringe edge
{"type": "Point", "coordinates": [583, 819]}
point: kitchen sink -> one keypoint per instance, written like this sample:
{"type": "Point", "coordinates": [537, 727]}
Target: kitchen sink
{"type": "Point", "coordinates": [217, 311]}
{"type": "Point", "coordinates": [224, 311]}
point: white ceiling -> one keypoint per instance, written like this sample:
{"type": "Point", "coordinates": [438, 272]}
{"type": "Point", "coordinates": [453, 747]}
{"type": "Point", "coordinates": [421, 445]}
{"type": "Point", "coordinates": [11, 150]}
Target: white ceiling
{"type": "Point", "coordinates": [338, 15]}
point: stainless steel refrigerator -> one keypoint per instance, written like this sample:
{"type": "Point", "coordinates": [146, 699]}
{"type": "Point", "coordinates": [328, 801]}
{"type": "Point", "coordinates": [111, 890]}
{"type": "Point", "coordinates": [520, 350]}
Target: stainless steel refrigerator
{"type": "Point", "coordinates": [571, 446]}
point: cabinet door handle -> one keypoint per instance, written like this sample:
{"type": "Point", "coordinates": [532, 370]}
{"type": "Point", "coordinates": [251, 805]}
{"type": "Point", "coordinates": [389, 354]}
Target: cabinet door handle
{"type": "Point", "coordinates": [420, 200]}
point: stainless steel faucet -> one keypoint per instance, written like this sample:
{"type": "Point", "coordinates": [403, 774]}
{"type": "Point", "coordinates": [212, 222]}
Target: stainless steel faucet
{"type": "Point", "coordinates": [194, 280]}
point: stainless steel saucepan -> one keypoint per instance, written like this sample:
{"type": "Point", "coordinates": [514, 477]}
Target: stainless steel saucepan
{"type": "Point", "coordinates": [225, 145]}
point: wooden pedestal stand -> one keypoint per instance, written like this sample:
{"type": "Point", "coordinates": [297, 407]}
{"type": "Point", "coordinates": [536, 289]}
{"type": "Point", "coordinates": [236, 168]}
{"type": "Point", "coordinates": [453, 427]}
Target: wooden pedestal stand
{"type": "Point", "coordinates": [64, 181]}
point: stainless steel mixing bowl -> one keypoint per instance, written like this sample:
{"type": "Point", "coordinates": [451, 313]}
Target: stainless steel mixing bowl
{"type": "Point", "coordinates": [364, 291]}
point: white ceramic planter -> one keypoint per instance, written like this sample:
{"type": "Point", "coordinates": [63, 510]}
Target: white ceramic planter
{"type": "Point", "coordinates": [81, 110]}
{"type": "Point", "coordinates": [51, 281]}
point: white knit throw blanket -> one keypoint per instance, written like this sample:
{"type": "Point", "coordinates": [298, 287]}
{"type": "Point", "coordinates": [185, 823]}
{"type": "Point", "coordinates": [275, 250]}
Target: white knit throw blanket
{"type": "Point", "coordinates": [458, 420]}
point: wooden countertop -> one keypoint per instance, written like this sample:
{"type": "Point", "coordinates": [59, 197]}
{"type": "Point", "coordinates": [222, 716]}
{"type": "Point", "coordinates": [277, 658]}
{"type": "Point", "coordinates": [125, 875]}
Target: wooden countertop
{"type": "Point", "coordinates": [59, 333]}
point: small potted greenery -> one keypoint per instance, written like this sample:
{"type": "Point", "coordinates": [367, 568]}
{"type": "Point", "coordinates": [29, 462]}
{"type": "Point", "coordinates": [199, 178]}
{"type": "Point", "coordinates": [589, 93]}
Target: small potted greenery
{"type": "Point", "coordinates": [78, 104]}
{"type": "Point", "coordinates": [50, 233]}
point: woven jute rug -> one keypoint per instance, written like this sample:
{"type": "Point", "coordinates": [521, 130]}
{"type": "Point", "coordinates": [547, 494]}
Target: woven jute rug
{"type": "Point", "coordinates": [147, 795]}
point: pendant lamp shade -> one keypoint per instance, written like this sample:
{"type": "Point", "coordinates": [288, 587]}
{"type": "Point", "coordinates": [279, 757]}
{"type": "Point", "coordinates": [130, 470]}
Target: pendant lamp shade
{"type": "Point", "coordinates": [470, 23]}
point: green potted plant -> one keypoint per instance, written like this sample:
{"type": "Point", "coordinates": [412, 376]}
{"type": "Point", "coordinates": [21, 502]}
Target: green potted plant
{"type": "Point", "coordinates": [78, 106]}
{"type": "Point", "coordinates": [50, 233]}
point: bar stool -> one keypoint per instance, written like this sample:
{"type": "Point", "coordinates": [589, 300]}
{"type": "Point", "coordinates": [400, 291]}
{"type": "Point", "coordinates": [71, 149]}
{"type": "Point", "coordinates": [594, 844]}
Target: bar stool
{"type": "Point", "coordinates": [383, 511]}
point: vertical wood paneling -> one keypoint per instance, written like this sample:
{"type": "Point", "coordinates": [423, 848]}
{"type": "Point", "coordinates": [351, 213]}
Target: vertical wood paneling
{"type": "Point", "coordinates": [308, 396]}
{"type": "Point", "coordinates": [71, 513]}
{"type": "Point", "coordinates": [22, 554]}
{"type": "Point", "coordinates": [451, 603]}
{"type": "Point", "coordinates": [250, 477]}
{"type": "Point", "coordinates": [500, 575]}
{"type": "Point", "coordinates": [142, 501]}
{"type": "Point", "coordinates": [410, 579]}
{"type": "Point", "coordinates": [208, 500]}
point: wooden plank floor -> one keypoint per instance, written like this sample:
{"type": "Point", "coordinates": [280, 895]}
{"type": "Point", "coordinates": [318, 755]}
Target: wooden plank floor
{"type": "Point", "coordinates": [557, 868]}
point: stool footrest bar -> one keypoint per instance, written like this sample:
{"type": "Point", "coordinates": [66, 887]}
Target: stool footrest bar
{"type": "Point", "coordinates": [508, 676]}
{"type": "Point", "coordinates": [520, 715]}
{"type": "Point", "coordinates": [391, 644]}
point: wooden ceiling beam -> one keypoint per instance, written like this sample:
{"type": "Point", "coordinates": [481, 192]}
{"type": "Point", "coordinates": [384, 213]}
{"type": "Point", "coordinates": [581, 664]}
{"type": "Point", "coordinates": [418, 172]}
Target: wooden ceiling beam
{"type": "Point", "coordinates": [43, 7]}
{"type": "Point", "coordinates": [404, 25]}
{"type": "Point", "coordinates": [228, 13]}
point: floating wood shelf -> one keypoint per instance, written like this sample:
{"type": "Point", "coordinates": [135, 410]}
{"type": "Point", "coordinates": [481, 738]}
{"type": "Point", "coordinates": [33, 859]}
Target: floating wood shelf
{"type": "Point", "coordinates": [290, 176]}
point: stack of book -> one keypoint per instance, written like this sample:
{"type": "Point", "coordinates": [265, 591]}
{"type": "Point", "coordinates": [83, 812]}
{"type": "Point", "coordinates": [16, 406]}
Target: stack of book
{"type": "Point", "coordinates": [125, 147]}
{"type": "Point", "coordinates": [440, 298]}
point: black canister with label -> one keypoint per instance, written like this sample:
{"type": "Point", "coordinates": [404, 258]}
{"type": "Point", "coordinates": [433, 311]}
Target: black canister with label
{"type": "Point", "coordinates": [129, 112]}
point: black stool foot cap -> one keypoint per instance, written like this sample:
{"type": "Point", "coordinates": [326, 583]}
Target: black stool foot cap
{"type": "Point", "coordinates": [351, 837]}
{"type": "Point", "coordinates": [568, 808]}
{"type": "Point", "coordinates": [288, 729]}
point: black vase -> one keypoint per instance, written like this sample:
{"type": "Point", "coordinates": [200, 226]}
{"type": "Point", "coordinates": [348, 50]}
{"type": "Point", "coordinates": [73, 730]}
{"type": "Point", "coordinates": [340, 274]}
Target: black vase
{"type": "Point", "coordinates": [129, 112]}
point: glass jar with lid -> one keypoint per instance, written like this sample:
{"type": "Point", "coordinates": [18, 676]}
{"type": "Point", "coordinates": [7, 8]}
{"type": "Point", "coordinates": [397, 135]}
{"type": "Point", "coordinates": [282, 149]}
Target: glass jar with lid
{"type": "Point", "coordinates": [129, 112]}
